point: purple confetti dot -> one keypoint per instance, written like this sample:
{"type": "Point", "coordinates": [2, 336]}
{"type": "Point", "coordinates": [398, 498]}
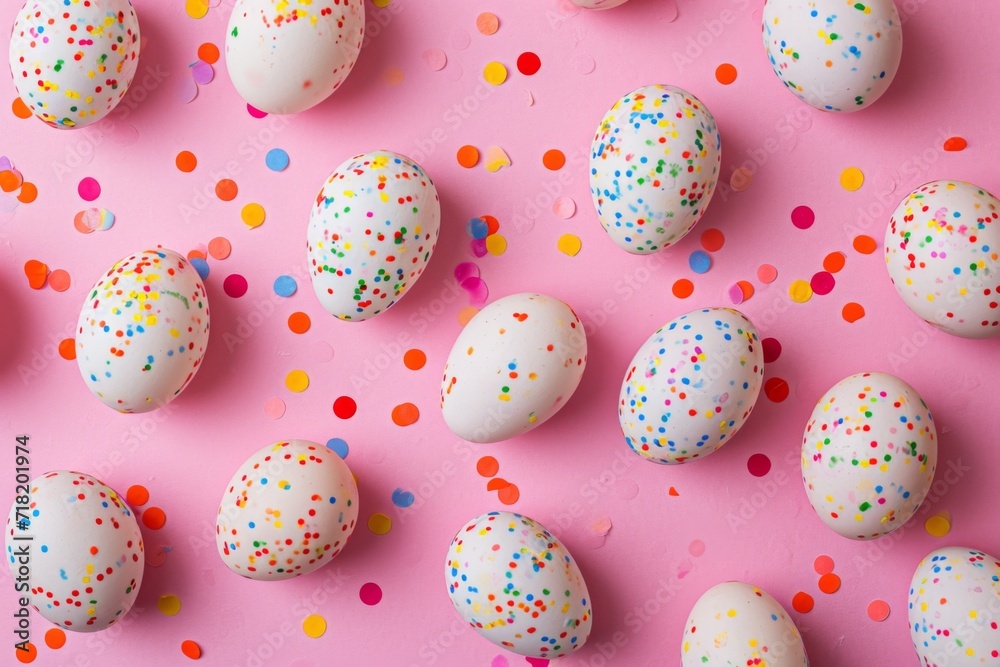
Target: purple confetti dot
{"type": "Point", "coordinates": [202, 73]}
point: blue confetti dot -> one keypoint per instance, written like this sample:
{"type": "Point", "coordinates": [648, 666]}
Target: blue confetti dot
{"type": "Point", "coordinates": [285, 286]}
{"type": "Point", "coordinates": [700, 262]}
{"type": "Point", "coordinates": [477, 228]}
{"type": "Point", "coordinates": [339, 446]}
{"type": "Point", "coordinates": [402, 498]}
{"type": "Point", "coordinates": [276, 159]}
{"type": "Point", "coordinates": [201, 266]}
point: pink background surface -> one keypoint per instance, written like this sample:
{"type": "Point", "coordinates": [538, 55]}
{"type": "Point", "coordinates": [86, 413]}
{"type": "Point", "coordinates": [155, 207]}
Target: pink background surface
{"type": "Point", "coordinates": [574, 470]}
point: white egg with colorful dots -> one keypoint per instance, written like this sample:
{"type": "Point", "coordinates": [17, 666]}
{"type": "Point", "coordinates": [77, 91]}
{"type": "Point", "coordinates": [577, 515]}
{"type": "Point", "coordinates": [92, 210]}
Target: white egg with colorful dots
{"type": "Point", "coordinates": [287, 511]}
{"type": "Point", "coordinates": [372, 231]}
{"type": "Point", "coordinates": [835, 55]}
{"type": "Point", "coordinates": [942, 251]}
{"type": "Point", "coordinates": [72, 63]}
{"type": "Point", "coordinates": [83, 559]}
{"type": "Point", "coordinates": [654, 165]}
{"type": "Point", "coordinates": [735, 623]}
{"type": "Point", "coordinates": [691, 386]}
{"type": "Point", "coordinates": [143, 331]}
{"type": "Point", "coordinates": [868, 455]}
{"type": "Point", "coordinates": [953, 607]}
{"type": "Point", "coordinates": [515, 365]}
{"type": "Point", "coordinates": [518, 586]}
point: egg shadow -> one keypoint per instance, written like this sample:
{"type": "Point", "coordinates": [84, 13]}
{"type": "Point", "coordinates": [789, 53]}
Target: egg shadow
{"type": "Point", "coordinates": [601, 587]}
{"type": "Point", "coordinates": [13, 339]}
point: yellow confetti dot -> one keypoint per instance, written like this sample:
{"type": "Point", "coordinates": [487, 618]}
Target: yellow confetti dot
{"type": "Point", "coordinates": [851, 179]}
{"type": "Point", "coordinates": [196, 9]}
{"type": "Point", "coordinates": [467, 314]}
{"type": "Point", "coordinates": [381, 4]}
{"type": "Point", "coordinates": [495, 73]}
{"type": "Point", "coordinates": [297, 381]}
{"type": "Point", "coordinates": [496, 244]}
{"type": "Point", "coordinates": [314, 626]}
{"type": "Point", "coordinates": [169, 605]}
{"type": "Point", "coordinates": [253, 215]}
{"type": "Point", "coordinates": [800, 291]}
{"type": "Point", "coordinates": [379, 523]}
{"type": "Point", "coordinates": [570, 244]}
{"type": "Point", "coordinates": [496, 159]}
{"type": "Point", "coordinates": [938, 526]}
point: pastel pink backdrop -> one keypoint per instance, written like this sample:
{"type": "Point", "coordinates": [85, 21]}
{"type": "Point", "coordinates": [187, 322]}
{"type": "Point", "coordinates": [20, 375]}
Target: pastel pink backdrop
{"type": "Point", "coordinates": [643, 578]}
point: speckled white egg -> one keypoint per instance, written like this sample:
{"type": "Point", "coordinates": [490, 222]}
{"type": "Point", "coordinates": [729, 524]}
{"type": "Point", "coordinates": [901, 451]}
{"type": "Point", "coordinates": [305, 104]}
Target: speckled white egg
{"type": "Point", "coordinates": [287, 511]}
{"type": "Point", "coordinates": [835, 55]}
{"type": "Point", "coordinates": [518, 586]}
{"type": "Point", "coordinates": [654, 164]}
{"type": "Point", "coordinates": [738, 624]}
{"type": "Point", "coordinates": [691, 386]}
{"type": "Point", "coordinates": [83, 565]}
{"type": "Point", "coordinates": [372, 230]}
{"type": "Point", "coordinates": [143, 331]}
{"type": "Point", "coordinates": [942, 250]}
{"type": "Point", "coordinates": [954, 606]}
{"type": "Point", "coordinates": [598, 4]}
{"type": "Point", "coordinates": [514, 365]}
{"type": "Point", "coordinates": [285, 57]}
{"type": "Point", "coordinates": [868, 455]}
{"type": "Point", "coordinates": [72, 63]}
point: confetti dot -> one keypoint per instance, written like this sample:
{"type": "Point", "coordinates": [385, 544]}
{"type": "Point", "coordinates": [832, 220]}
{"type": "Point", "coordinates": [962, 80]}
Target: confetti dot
{"type": "Point", "coordinates": [852, 312]}
{"type": "Point", "coordinates": [93, 219]}
{"type": "Point", "coordinates": [401, 498]}
{"type": "Point", "coordinates": [345, 407]}
{"type": "Point", "coordinates": [285, 286]}
{"type": "Point", "coordinates": [712, 240]}
{"type": "Point", "coordinates": [169, 605]}
{"type": "Point", "coordinates": [414, 359]}
{"type": "Point", "coordinates": [339, 447]}
{"type": "Point", "coordinates": [741, 179]}
{"type": "Point", "coordinates": [492, 225]}
{"type": "Point", "coordinates": [823, 565]}
{"type": "Point", "coordinates": [59, 280]}
{"type": "Point", "coordinates": [495, 73]}
{"type": "Point", "coordinates": [154, 518]}
{"type": "Point", "coordinates": [253, 215]}
{"type": "Point", "coordinates": [583, 64]}
{"type": "Point", "coordinates": [496, 484]}
{"type": "Point", "coordinates": [735, 294]}
{"type": "Point", "coordinates": [772, 350]}
{"type": "Point", "coordinates": [746, 289]}
{"type": "Point", "coordinates": [468, 156]}
{"type": "Point", "coordinates": [202, 72]}
{"type": "Point", "coordinates": [672, 492]}
{"type": "Point", "coordinates": [477, 228]}
{"type": "Point", "coordinates": [379, 524]}
{"type": "Point", "coordinates": [496, 159]}
{"type": "Point", "coordinates": [28, 193]}
{"type": "Point", "coordinates": [852, 179]}
{"type": "Point", "coordinates": [460, 39]}
{"type": "Point", "coordinates": [201, 266]}
{"type": "Point", "coordinates": [67, 349]}
{"type": "Point", "coordinates": [234, 285]}
{"type": "Point", "coordinates": [36, 272]}
{"type": "Point", "coordinates": [683, 288]}
{"type": "Point", "coordinates": [393, 76]}
{"type": "Point", "coordinates": [209, 52]}
{"type": "Point", "coordinates": [696, 548]}
{"type": "Point", "coordinates": [477, 289]}
{"type": "Point", "coordinates": [952, 144]}
{"type": "Point", "coordinates": [487, 23]}
{"type": "Point", "coordinates": [834, 262]}
{"type": "Point", "coordinates": [314, 626]}
{"type": "Point", "coordinates": [822, 283]}
{"type": "Point", "coordinates": [767, 274]}
{"type": "Point", "coordinates": [937, 526]}
{"type": "Point", "coordinates": [528, 63]}
{"type": "Point", "coordinates": [196, 9]}
{"type": "Point", "coordinates": [878, 610]}
{"type": "Point", "coordinates": [553, 159]}
{"type": "Point", "coordinates": [186, 161]}
{"type": "Point", "coordinates": [496, 244]}
{"type": "Point", "coordinates": [487, 466]}
{"type": "Point", "coordinates": [274, 408]}
{"type": "Point", "coordinates": [371, 594]}
{"type": "Point", "coordinates": [564, 207]}
{"type": "Point", "coordinates": [759, 465]}
{"type": "Point", "coordinates": [20, 109]}
{"type": "Point", "coordinates": [28, 656]}
{"type": "Point", "coordinates": [299, 322]}
{"type": "Point", "coordinates": [297, 381]}
{"type": "Point", "coordinates": [435, 59]}
{"type": "Point", "coordinates": [381, 4]}
{"type": "Point", "coordinates": [569, 244]}
{"type": "Point", "coordinates": [800, 291]}
{"type": "Point", "coordinates": [89, 189]}
{"type": "Point", "coordinates": [55, 638]}
{"type": "Point", "coordinates": [509, 494]}
{"type": "Point", "coordinates": [776, 389]}
{"type": "Point", "coordinates": [137, 495]}
{"type": "Point", "coordinates": [195, 254]}
{"type": "Point", "coordinates": [829, 583]}
{"type": "Point", "coordinates": [255, 112]}
{"type": "Point", "coordinates": [276, 159]}
{"type": "Point", "coordinates": [10, 180]}
{"type": "Point", "coordinates": [466, 314]}
{"type": "Point", "coordinates": [803, 217]}
{"type": "Point", "coordinates": [699, 261]}
{"type": "Point", "coordinates": [190, 649]}
{"type": "Point", "coordinates": [802, 602]}
{"type": "Point", "coordinates": [405, 414]}
{"type": "Point", "coordinates": [725, 74]}
{"type": "Point", "coordinates": [226, 189]}
{"type": "Point", "coordinates": [219, 248]}
{"type": "Point", "coordinates": [865, 244]}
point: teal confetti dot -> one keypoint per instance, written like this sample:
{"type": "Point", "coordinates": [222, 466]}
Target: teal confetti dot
{"type": "Point", "coordinates": [700, 262]}
{"type": "Point", "coordinates": [339, 446]}
{"type": "Point", "coordinates": [285, 286]}
{"type": "Point", "coordinates": [201, 266]}
{"type": "Point", "coordinates": [276, 159]}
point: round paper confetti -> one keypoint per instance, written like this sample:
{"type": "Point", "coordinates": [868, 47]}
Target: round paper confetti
{"type": "Point", "coordinates": [477, 228]}
{"type": "Point", "coordinates": [186, 161]}
{"type": "Point", "coordinates": [405, 414]}
{"type": "Point", "coordinates": [802, 602]}
{"type": "Point", "coordinates": [509, 494]}
{"type": "Point", "coordinates": [759, 465]}
{"type": "Point", "coordinates": [822, 283]}
{"type": "Point", "coordinates": [10, 180]}
{"type": "Point", "coordinates": [771, 349]}
{"type": "Point", "coordinates": [285, 286]}
{"type": "Point", "coordinates": [89, 189]}
{"type": "Point", "coordinates": [20, 109]}
{"type": "Point", "coordinates": [55, 638]}
{"type": "Point", "coordinates": [569, 244]}
{"type": "Point", "coordinates": [219, 248]}
{"type": "Point", "coordinates": [553, 159]}
{"type": "Point", "coordinates": [401, 498]}
{"type": "Point", "coordinates": [487, 466]}
{"type": "Point", "coordinates": [800, 291]}
{"type": "Point", "coordinates": [202, 73]}
{"type": "Point", "coordinates": [468, 156]}
{"type": "Point", "coordinates": [829, 583]}
{"type": "Point", "coordinates": [137, 495]}
{"type": "Point", "coordinates": [28, 193]}
{"type": "Point", "coordinates": [393, 76]}
{"type": "Point", "coordinates": [496, 244]}
{"type": "Point", "coordinates": [583, 64]}
{"type": "Point", "coordinates": [28, 656]}
{"type": "Point", "coordinates": [487, 23]}
{"type": "Point", "coordinates": [169, 605]}
{"type": "Point", "coordinates": [370, 593]}
{"type": "Point", "coordinates": [314, 626]}
{"type": "Point", "coordinates": [852, 312]}
{"type": "Point", "coordinates": [59, 280]}
{"type": "Point", "coordinates": [274, 408]}
{"type": "Point", "coordinates": [276, 159]}
{"type": "Point", "coordinates": [696, 548]}
{"type": "Point", "coordinates": [736, 294]}
{"type": "Point", "coordinates": [226, 189]}
{"type": "Point", "coordinates": [725, 74]}
{"type": "Point", "coordinates": [699, 261]}
{"type": "Point", "coordinates": [297, 381]}
{"type": "Point", "coordinates": [201, 266]}
{"type": "Point", "coordinates": [467, 314]}
{"type": "Point", "coordinates": [495, 73]}
{"type": "Point", "coordinates": [154, 518]}
{"type": "Point", "coordinates": [834, 262]}
{"type": "Point", "coordinates": [338, 446]}
{"type": "Point", "coordinates": [528, 63]}
{"type": "Point", "coordinates": [189, 648]}
{"type": "Point", "coordinates": [776, 389]}
{"type": "Point", "coordinates": [477, 289]}
{"type": "Point", "coordinates": [435, 59]}
{"type": "Point", "coordinates": [67, 349]}
{"type": "Point", "coordinates": [746, 289]}
{"type": "Point", "coordinates": [564, 207]}
{"type": "Point", "coordinates": [379, 523]}
{"type": "Point", "coordinates": [741, 179]}
{"type": "Point", "coordinates": [878, 610]}
{"type": "Point", "coordinates": [460, 39]}
{"type": "Point", "coordinates": [255, 112]}
{"type": "Point", "coordinates": [414, 359]}
{"type": "Point", "coordinates": [937, 526]}
{"type": "Point", "coordinates": [803, 217]}
{"type": "Point", "coordinates": [953, 144]}
{"type": "Point", "coordinates": [345, 407]}
{"type": "Point", "coordinates": [823, 565]}
{"type": "Point", "coordinates": [234, 285]}
{"type": "Point", "coordinates": [865, 244]}
{"type": "Point", "coordinates": [36, 272]}
{"type": "Point", "coordinates": [208, 52]}
{"type": "Point", "coordinates": [852, 179]}
{"type": "Point", "coordinates": [767, 274]}
{"type": "Point", "coordinates": [682, 288]}
{"type": "Point", "coordinates": [299, 322]}
{"type": "Point", "coordinates": [712, 240]}
{"type": "Point", "coordinates": [196, 9]}
{"type": "Point", "coordinates": [253, 215]}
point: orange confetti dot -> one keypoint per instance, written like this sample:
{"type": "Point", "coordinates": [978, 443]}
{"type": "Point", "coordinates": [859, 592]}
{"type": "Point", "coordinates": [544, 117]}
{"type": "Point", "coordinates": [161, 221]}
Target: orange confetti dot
{"type": "Point", "coordinates": [865, 244]}
{"type": "Point", "coordinates": [553, 159]}
{"type": "Point", "coordinates": [509, 494]}
{"type": "Point", "coordinates": [487, 23]}
{"type": "Point", "coordinates": [853, 312]}
{"type": "Point", "coordinates": [20, 109]}
{"type": "Point", "coordinates": [823, 565]}
{"type": "Point", "coordinates": [67, 349]}
{"type": "Point", "coordinates": [878, 610]}
{"type": "Point", "coordinates": [26, 657]}
{"type": "Point", "coordinates": [683, 288]}
{"type": "Point", "coordinates": [712, 240]}
{"type": "Point", "coordinates": [190, 649]}
{"type": "Point", "coordinates": [186, 162]}
{"type": "Point", "coordinates": [829, 583]}
{"type": "Point", "coordinates": [496, 484]}
{"type": "Point", "coordinates": [154, 518]}
{"type": "Point", "coordinates": [725, 74]}
{"type": "Point", "coordinates": [137, 495]}
{"type": "Point", "coordinates": [468, 156]}
{"type": "Point", "coordinates": [36, 272]}
{"type": "Point", "coordinates": [952, 144]}
{"type": "Point", "coordinates": [195, 254]}
{"type": "Point", "coordinates": [209, 53]}
{"type": "Point", "coordinates": [299, 323]}
{"type": "Point", "coordinates": [220, 247]}
{"type": "Point", "coordinates": [834, 262]}
{"type": "Point", "coordinates": [28, 193]}
{"type": "Point", "coordinates": [414, 359]}
{"type": "Point", "coordinates": [59, 280]}
{"type": "Point", "coordinates": [10, 180]}
{"type": "Point", "coordinates": [405, 414]}
{"type": "Point", "coordinates": [55, 638]}
{"type": "Point", "coordinates": [492, 224]}
{"type": "Point", "coordinates": [746, 287]}
{"type": "Point", "coordinates": [226, 189]}
{"type": "Point", "coordinates": [466, 314]}
{"type": "Point", "coordinates": [487, 466]}
{"type": "Point", "coordinates": [776, 389]}
{"type": "Point", "coordinates": [802, 602]}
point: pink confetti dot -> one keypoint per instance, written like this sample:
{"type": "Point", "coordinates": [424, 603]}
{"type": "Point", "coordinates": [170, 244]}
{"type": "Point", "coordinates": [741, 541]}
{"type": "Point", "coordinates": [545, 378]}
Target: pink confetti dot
{"type": "Point", "coordinates": [803, 217]}
{"type": "Point", "coordinates": [274, 408]}
{"type": "Point", "coordinates": [435, 59]}
{"type": "Point", "coordinates": [823, 565]}
{"type": "Point", "coordinates": [696, 548]}
{"type": "Point", "coordinates": [564, 207]}
{"type": "Point", "coordinates": [771, 348]}
{"type": "Point", "coordinates": [235, 285]}
{"type": "Point", "coordinates": [478, 247]}
{"type": "Point", "coordinates": [759, 465]}
{"type": "Point", "coordinates": [767, 274]}
{"type": "Point", "coordinates": [478, 291]}
{"type": "Point", "coordinates": [500, 661]}
{"type": "Point", "coordinates": [371, 594]}
{"type": "Point", "coordinates": [466, 270]}
{"type": "Point", "coordinates": [822, 283]}
{"type": "Point", "coordinates": [256, 113]}
{"type": "Point", "coordinates": [736, 294]}
{"type": "Point", "coordinates": [878, 610]}
{"type": "Point", "coordinates": [89, 189]}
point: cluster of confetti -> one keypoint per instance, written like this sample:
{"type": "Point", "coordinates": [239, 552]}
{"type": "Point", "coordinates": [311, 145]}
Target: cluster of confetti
{"type": "Point", "coordinates": [200, 72]}
{"type": "Point", "coordinates": [16, 189]}
{"type": "Point", "coordinates": [507, 492]}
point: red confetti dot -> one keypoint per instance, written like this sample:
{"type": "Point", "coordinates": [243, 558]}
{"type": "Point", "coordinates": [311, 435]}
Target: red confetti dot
{"type": "Point", "coordinates": [712, 240]}
{"type": "Point", "coordinates": [528, 63]}
{"type": "Point", "coordinates": [234, 285]}
{"type": "Point", "coordinates": [154, 518]}
{"type": "Point", "coordinates": [89, 189]}
{"type": "Point", "coordinates": [823, 565]}
{"type": "Point", "coordinates": [822, 283]}
{"type": "Point", "coordinates": [371, 594]}
{"type": "Point", "coordinates": [829, 583]}
{"type": "Point", "coordinates": [878, 611]}
{"type": "Point", "coordinates": [776, 389]}
{"type": "Point", "coordinates": [759, 465]}
{"type": "Point", "coordinates": [345, 407]}
{"type": "Point", "coordinates": [772, 349]}
{"type": "Point", "coordinates": [951, 144]}
{"type": "Point", "coordinates": [803, 217]}
{"type": "Point", "coordinates": [803, 602]}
